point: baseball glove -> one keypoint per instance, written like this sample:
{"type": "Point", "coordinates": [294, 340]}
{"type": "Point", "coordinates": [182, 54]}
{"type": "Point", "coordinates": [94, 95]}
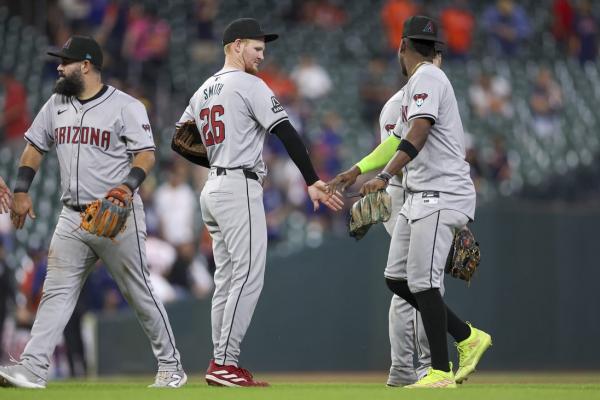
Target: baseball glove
{"type": "Point", "coordinates": [464, 256]}
{"type": "Point", "coordinates": [105, 218]}
{"type": "Point", "coordinates": [187, 142]}
{"type": "Point", "coordinates": [371, 209]}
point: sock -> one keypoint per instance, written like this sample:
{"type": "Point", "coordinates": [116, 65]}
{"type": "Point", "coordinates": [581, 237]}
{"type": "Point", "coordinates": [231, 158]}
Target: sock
{"type": "Point", "coordinates": [435, 323]}
{"type": "Point", "coordinates": [456, 327]}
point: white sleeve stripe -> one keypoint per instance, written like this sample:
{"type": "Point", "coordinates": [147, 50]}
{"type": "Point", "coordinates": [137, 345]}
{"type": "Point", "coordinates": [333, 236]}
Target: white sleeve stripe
{"type": "Point", "coordinates": [274, 124]}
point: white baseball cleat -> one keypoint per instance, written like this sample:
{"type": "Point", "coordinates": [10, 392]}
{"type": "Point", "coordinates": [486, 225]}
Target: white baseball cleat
{"type": "Point", "coordinates": [169, 379]}
{"type": "Point", "coordinates": [20, 377]}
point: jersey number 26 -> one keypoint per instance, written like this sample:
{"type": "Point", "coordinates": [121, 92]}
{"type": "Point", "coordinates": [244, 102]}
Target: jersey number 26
{"type": "Point", "coordinates": [213, 129]}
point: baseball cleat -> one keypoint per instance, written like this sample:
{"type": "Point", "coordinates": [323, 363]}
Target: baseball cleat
{"type": "Point", "coordinates": [470, 351]}
{"type": "Point", "coordinates": [20, 377]}
{"type": "Point", "coordinates": [435, 379]}
{"type": "Point", "coordinates": [169, 379]}
{"type": "Point", "coordinates": [230, 375]}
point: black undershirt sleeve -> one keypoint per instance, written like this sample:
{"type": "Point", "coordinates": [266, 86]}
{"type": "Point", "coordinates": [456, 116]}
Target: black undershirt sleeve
{"type": "Point", "coordinates": [296, 149]}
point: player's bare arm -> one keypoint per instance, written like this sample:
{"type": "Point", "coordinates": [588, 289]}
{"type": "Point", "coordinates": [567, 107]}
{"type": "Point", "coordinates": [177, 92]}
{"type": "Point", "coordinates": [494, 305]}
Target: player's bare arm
{"type": "Point", "coordinates": [5, 197]}
{"type": "Point", "coordinates": [22, 205]}
{"type": "Point", "coordinates": [407, 150]}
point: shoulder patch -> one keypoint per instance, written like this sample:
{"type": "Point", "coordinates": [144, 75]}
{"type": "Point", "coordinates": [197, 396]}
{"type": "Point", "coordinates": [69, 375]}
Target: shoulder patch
{"type": "Point", "coordinates": [420, 98]}
{"type": "Point", "coordinates": [277, 107]}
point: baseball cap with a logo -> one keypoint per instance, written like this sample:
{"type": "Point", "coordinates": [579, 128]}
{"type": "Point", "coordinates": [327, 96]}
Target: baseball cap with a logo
{"type": "Point", "coordinates": [421, 27]}
{"type": "Point", "coordinates": [246, 28]}
{"type": "Point", "coordinates": [79, 48]}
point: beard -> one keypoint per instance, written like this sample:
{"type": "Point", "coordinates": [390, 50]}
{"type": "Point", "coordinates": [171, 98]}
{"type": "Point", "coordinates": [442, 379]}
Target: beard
{"type": "Point", "coordinates": [403, 67]}
{"type": "Point", "coordinates": [69, 85]}
{"type": "Point", "coordinates": [251, 69]}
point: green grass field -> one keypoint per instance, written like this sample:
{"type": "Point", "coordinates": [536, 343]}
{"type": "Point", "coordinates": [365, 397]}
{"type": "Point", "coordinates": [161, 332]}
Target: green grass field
{"type": "Point", "coordinates": [370, 386]}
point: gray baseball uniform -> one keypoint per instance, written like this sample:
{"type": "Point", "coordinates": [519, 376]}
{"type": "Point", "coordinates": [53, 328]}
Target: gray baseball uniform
{"type": "Point", "coordinates": [95, 141]}
{"type": "Point", "coordinates": [234, 111]}
{"type": "Point", "coordinates": [405, 326]}
{"type": "Point", "coordinates": [440, 192]}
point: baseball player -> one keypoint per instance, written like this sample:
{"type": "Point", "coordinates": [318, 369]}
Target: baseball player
{"type": "Point", "coordinates": [5, 197]}
{"type": "Point", "coordinates": [440, 199]}
{"type": "Point", "coordinates": [103, 140]}
{"type": "Point", "coordinates": [234, 110]}
{"type": "Point", "coordinates": [405, 325]}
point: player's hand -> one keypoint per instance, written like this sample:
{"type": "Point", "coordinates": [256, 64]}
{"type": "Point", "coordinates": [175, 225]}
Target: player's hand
{"type": "Point", "coordinates": [5, 197]}
{"type": "Point", "coordinates": [117, 201]}
{"type": "Point", "coordinates": [373, 185]}
{"type": "Point", "coordinates": [21, 208]}
{"type": "Point", "coordinates": [318, 194]}
{"type": "Point", "coordinates": [343, 180]}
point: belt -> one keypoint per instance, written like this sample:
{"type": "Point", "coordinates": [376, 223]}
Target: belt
{"type": "Point", "coordinates": [76, 208]}
{"type": "Point", "coordinates": [247, 173]}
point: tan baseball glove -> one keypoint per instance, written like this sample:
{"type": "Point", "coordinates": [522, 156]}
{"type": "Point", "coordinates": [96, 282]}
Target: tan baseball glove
{"type": "Point", "coordinates": [373, 208]}
{"type": "Point", "coordinates": [105, 218]}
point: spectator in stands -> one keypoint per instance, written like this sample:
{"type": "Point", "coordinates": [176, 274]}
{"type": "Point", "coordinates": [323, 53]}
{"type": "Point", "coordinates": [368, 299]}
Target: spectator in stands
{"type": "Point", "coordinates": [76, 13]}
{"type": "Point", "coordinates": [324, 14]}
{"type": "Point", "coordinates": [393, 15]}
{"type": "Point", "coordinates": [562, 22]}
{"type": "Point", "coordinates": [374, 90]}
{"type": "Point", "coordinates": [205, 48]}
{"type": "Point", "coordinates": [328, 144]}
{"type": "Point", "coordinates": [176, 205]}
{"type": "Point", "coordinates": [15, 118]}
{"type": "Point", "coordinates": [507, 25]}
{"type": "Point", "coordinates": [586, 33]}
{"type": "Point", "coordinates": [472, 157]}
{"type": "Point", "coordinates": [546, 103]}
{"type": "Point", "coordinates": [280, 83]}
{"type": "Point", "coordinates": [458, 24]}
{"type": "Point", "coordinates": [110, 35]}
{"type": "Point", "coordinates": [313, 81]}
{"type": "Point", "coordinates": [497, 163]}
{"type": "Point", "coordinates": [146, 44]}
{"type": "Point", "coordinates": [490, 96]}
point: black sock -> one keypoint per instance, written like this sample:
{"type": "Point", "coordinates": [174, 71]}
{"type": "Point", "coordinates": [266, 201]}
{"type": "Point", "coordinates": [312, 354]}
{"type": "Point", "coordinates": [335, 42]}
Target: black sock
{"type": "Point", "coordinates": [435, 323]}
{"type": "Point", "coordinates": [456, 327]}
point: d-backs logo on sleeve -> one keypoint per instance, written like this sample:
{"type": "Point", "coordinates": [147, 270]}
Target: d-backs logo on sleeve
{"type": "Point", "coordinates": [419, 98]}
{"type": "Point", "coordinates": [277, 107]}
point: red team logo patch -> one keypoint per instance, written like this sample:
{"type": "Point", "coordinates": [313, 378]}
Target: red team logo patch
{"type": "Point", "coordinates": [420, 98]}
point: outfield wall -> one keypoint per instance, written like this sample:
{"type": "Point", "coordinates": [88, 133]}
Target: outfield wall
{"type": "Point", "coordinates": [326, 308]}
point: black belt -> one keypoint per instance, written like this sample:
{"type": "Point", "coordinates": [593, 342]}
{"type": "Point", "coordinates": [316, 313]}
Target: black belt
{"type": "Point", "coordinates": [76, 208]}
{"type": "Point", "coordinates": [247, 173]}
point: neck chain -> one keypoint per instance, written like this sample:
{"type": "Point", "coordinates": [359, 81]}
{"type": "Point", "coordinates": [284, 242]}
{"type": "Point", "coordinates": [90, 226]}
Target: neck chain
{"type": "Point", "coordinates": [417, 66]}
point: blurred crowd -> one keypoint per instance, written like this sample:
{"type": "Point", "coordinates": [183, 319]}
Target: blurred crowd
{"type": "Point", "coordinates": [136, 41]}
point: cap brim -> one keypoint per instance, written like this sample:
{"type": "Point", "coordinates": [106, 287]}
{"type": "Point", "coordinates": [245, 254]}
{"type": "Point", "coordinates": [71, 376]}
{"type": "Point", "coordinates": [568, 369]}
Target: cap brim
{"type": "Point", "coordinates": [269, 37]}
{"type": "Point", "coordinates": [61, 54]}
{"type": "Point", "coordinates": [424, 37]}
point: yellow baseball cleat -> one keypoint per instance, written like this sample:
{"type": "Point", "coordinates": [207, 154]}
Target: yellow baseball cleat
{"type": "Point", "coordinates": [470, 351]}
{"type": "Point", "coordinates": [435, 379]}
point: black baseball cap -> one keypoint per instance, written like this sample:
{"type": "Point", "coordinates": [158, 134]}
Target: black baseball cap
{"type": "Point", "coordinates": [421, 27]}
{"type": "Point", "coordinates": [79, 48]}
{"type": "Point", "coordinates": [246, 28]}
